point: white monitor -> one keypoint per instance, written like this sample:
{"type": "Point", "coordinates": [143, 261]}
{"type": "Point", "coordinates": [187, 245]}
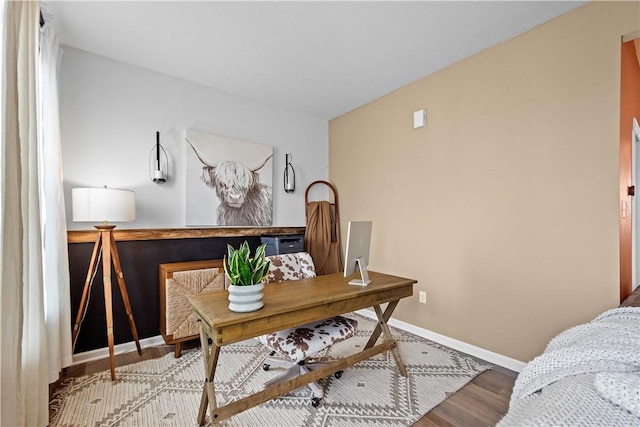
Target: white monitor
{"type": "Point", "coordinates": [357, 252]}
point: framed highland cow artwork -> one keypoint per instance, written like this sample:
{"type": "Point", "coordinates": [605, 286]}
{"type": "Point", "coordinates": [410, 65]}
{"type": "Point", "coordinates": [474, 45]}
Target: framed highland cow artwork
{"type": "Point", "coordinates": [228, 182]}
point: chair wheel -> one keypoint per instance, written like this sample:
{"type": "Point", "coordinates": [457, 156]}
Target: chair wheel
{"type": "Point", "coordinates": [315, 402]}
{"type": "Point", "coordinates": [266, 366]}
{"type": "Point", "coordinates": [338, 374]}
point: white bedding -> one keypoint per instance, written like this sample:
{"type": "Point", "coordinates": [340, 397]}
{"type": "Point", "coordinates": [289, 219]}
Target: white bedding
{"type": "Point", "coordinates": [588, 375]}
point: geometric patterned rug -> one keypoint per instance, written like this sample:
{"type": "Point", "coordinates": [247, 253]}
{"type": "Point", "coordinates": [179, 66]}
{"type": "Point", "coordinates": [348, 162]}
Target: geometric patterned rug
{"type": "Point", "coordinates": [166, 391]}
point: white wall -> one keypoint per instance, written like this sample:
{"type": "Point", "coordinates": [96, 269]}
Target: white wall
{"type": "Point", "coordinates": [110, 112]}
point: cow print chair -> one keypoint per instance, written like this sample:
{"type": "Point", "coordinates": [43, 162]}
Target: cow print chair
{"type": "Point", "coordinates": [296, 349]}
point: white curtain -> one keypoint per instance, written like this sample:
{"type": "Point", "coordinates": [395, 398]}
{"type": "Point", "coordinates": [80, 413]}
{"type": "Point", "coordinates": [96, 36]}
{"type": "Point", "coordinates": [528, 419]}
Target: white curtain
{"type": "Point", "coordinates": [25, 296]}
{"type": "Point", "coordinates": [56, 260]}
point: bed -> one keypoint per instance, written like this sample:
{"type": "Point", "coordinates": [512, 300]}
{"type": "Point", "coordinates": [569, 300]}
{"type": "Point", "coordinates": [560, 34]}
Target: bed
{"type": "Point", "coordinates": [588, 375]}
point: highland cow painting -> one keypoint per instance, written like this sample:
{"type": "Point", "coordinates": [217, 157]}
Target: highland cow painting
{"type": "Point", "coordinates": [228, 182]}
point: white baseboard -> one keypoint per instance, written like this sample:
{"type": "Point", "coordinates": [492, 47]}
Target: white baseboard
{"type": "Point", "coordinates": [481, 353]}
{"type": "Point", "coordinates": [102, 353]}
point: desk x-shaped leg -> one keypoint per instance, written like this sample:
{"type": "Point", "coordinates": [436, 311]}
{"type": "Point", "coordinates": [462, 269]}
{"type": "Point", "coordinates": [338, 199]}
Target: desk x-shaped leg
{"type": "Point", "coordinates": [210, 358]}
{"type": "Point", "coordinates": [382, 327]}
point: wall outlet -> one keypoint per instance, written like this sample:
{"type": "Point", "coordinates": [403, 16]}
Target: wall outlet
{"type": "Point", "coordinates": [423, 297]}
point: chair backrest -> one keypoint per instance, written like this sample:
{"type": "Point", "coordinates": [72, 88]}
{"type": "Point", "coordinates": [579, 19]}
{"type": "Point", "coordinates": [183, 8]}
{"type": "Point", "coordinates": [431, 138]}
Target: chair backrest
{"type": "Point", "coordinates": [293, 266]}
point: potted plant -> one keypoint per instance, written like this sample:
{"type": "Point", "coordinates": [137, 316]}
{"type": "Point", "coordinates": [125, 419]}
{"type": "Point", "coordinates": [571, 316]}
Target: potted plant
{"type": "Point", "coordinates": [246, 274]}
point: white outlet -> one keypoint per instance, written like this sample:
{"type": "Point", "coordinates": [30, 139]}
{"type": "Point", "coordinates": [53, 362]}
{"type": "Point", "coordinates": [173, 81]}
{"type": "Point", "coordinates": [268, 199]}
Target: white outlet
{"type": "Point", "coordinates": [423, 297]}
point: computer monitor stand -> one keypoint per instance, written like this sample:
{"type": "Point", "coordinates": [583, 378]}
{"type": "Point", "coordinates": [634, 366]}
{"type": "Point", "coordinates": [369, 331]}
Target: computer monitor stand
{"type": "Point", "coordinates": [363, 274]}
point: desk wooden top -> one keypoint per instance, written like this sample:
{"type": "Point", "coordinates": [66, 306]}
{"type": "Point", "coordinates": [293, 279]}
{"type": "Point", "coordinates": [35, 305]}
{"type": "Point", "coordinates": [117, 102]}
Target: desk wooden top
{"type": "Point", "coordinates": [294, 303]}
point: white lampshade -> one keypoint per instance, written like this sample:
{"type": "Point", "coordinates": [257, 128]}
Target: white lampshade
{"type": "Point", "coordinates": [103, 205]}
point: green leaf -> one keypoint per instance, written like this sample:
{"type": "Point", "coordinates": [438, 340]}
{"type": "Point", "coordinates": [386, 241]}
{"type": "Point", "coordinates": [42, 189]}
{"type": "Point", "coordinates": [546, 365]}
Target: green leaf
{"type": "Point", "coordinates": [242, 269]}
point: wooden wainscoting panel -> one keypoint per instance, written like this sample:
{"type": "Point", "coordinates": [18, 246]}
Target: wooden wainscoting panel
{"type": "Point", "coordinates": [84, 236]}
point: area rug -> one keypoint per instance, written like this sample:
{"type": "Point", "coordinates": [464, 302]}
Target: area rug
{"type": "Point", "coordinates": [166, 391]}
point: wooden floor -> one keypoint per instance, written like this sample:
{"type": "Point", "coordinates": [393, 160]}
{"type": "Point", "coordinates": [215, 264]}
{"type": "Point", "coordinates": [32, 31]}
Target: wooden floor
{"type": "Point", "coordinates": [482, 402]}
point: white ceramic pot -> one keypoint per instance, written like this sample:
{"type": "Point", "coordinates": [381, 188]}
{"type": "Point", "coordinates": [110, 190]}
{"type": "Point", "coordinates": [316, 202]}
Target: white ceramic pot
{"type": "Point", "coordinates": [246, 298]}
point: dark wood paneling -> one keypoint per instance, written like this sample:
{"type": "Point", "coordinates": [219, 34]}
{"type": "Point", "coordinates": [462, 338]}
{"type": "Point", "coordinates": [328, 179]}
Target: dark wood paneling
{"type": "Point", "coordinates": [140, 261]}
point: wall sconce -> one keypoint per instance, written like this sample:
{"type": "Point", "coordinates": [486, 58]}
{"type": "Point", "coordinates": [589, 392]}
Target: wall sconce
{"type": "Point", "coordinates": [159, 164]}
{"type": "Point", "coordinates": [289, 175]}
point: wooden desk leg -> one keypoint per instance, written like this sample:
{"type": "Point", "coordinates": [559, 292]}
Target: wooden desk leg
{"type": "Point", "coordinates": [388, 337]}
{"type": "Point", "coordinates": [208, 398]}
{"type": "Point", "coordinates": [387, 315]}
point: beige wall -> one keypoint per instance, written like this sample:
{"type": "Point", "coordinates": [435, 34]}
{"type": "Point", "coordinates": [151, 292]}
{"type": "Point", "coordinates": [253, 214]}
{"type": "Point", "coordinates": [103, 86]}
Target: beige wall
{"type": "Point", "coordinates": [505, 206]}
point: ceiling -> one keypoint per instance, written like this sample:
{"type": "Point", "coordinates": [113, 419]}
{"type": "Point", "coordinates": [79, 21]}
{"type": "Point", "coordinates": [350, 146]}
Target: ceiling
{"type": "Point", "coordinates": [321, 58]}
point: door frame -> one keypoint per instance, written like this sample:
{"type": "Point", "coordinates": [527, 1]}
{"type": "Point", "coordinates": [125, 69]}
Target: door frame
{"type": "Point", "coordinates": [635, 205]}
{"type": "Point", "coordinates": [629, 108]}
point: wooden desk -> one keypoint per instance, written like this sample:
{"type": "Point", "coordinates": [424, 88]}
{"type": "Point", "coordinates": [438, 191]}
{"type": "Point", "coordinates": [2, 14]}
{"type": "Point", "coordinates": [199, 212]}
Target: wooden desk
{"type": "Point", "coordinates": [286, 305]}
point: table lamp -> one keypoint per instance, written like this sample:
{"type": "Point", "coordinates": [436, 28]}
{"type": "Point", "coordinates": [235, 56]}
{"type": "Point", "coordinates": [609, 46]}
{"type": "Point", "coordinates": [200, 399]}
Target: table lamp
{"type": "Point", "coordinates": [105, 205]}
